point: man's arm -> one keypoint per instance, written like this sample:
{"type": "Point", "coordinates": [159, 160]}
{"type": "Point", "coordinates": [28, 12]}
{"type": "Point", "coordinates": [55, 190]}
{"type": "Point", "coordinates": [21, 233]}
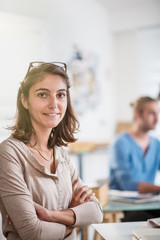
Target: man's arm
{"type": "Point", "coordinates": [144, 187]}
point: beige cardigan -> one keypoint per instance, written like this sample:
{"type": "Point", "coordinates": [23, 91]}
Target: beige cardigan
{"type": "Point", "coordinates": [24, 180]}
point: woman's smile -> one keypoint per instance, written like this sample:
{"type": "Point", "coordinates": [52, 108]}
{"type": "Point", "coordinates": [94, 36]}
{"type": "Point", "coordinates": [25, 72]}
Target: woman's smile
{"type": "Point", "coordinates": [47, 102]}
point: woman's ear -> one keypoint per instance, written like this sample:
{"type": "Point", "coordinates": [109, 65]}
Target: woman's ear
{"type": "Point", "coordinates": [24, 101]}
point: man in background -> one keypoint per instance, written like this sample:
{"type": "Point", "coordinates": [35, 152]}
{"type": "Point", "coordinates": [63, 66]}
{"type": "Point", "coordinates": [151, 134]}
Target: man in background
{"type": "Point", "coordinates": [136, 156]}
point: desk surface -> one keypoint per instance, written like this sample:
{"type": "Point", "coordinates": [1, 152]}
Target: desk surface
{"type": "Point", "coordinates": [87, 147]}
{"type": "Point", "coordinates": [118, 231]}
{"type": "Point", "coordinates": [119, 206]}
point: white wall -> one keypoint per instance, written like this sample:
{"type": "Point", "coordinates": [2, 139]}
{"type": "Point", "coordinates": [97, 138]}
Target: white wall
{"type": "Point", "coordinates": [135, 27]}
{"type": "Point", "coordinates": [125, 15]}
{"type": "Point", "coordinates": [137, 67]}
{"type": "Point", "coordinates": [22, 39]}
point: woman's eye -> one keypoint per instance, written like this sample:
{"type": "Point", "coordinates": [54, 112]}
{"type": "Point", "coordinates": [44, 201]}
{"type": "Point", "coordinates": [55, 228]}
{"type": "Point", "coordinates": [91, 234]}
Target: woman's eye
{"type": "Point", "coordinates": [42, 95]}
{"type": "Point", "coordinates": [61, 95]}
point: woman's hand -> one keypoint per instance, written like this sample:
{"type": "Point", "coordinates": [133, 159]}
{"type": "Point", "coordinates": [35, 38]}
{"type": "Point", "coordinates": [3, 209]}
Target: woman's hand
{"type": "Point", "coordinates": [66, 217]}
{"type": "Point", "coordinates": [83, 195]}
{"type": "Point", "coordinates": [9, 220]}
{"type": "Point", "coordinates": [42, 213]}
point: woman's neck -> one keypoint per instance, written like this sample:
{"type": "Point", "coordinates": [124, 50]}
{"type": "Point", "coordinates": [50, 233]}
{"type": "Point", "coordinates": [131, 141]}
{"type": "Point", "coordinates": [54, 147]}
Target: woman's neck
{"type": "Point", "coordinates": [40, 141]}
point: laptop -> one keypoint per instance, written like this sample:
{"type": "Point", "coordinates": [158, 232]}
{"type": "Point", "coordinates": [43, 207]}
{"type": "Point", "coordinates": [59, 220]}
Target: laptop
{"type": "Point", "coordinates": [146, 234]}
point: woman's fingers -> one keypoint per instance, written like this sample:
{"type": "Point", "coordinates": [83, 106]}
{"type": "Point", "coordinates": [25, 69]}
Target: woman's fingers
{"type": "Point", "coordinates": [74, 186]}
{"type": "Point", "coordinates": [42, 212]}
{"type": "Point", "coordinates": [84, 194]}
{"type": "Point", "coordinates": [90, 197]}
{"type": "Point", "coordinates": [82, 190]}
{"type": "Point", "coordinates": [9, 220]}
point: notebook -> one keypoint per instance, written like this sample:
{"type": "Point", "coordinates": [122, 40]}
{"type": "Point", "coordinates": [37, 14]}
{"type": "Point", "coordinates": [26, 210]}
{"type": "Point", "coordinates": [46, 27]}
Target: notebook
{"type": "Point", "coordinates": [132, 196]}
{"type": "Point", "coordinates": [146, 234]}
{"type": "Point", "coordinates": [155, 222]}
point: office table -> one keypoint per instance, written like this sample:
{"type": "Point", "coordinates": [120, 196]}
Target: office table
{"type": "Point", "coordinates": [118, 231]}
{"type": "Point", "coordinates": [113, 211]}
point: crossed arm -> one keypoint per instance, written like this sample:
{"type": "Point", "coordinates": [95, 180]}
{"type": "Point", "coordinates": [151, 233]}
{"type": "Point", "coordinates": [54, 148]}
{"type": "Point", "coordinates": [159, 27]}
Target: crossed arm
{"type": "Point", "coordinates": [16, 193]}
{"type": "Point", "coordinates": [67, 216]}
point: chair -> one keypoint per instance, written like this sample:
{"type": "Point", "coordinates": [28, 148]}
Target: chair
{"type": "Point", "coordinates": [123, 126]}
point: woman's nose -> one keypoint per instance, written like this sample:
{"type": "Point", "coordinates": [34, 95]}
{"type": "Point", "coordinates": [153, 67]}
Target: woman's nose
{"type": "Point", "coordinates": [53, 102]}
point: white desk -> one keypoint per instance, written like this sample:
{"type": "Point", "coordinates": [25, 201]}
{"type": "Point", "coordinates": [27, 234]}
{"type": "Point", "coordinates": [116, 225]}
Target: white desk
{"type": "Point", "coordinates": [118, 231]}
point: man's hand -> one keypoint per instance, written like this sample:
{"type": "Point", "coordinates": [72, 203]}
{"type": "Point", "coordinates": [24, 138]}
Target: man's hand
{"type": "Point", "coordinates": [144, 187]}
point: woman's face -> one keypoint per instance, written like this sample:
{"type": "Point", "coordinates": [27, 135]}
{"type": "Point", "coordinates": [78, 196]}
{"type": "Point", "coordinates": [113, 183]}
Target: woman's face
{"type": "Point", "coordinates": [47, 102]}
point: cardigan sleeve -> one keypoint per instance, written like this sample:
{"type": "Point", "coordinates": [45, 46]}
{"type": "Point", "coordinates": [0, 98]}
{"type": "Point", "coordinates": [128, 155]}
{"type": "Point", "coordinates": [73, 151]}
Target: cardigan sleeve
{"type": "Point", "coordinates": [89, 212]}
{"type": "Point", "coordinates": [16, 201]}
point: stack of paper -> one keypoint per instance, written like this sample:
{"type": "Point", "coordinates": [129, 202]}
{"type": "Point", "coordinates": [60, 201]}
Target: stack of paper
{"type": "Point", "coordinates": [132, 196]}
{"type": "Point", "coordinates": [155, 222]}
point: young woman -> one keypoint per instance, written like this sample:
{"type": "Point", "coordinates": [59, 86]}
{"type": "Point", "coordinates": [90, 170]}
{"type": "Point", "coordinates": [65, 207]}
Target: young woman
{"type": "Point", "coordinates": [39, 188]}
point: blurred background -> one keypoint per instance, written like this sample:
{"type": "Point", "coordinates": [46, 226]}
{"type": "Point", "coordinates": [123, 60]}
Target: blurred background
{"type": "Point", "coordinates": [111, 47]}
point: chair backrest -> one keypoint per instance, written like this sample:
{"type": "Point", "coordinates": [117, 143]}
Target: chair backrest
{"type": "Point", "coordinates": [123, 126]}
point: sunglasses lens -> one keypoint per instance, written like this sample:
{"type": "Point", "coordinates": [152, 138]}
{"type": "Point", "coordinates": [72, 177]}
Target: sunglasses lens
{"type": "Point", "coordinates": [38, 64]}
